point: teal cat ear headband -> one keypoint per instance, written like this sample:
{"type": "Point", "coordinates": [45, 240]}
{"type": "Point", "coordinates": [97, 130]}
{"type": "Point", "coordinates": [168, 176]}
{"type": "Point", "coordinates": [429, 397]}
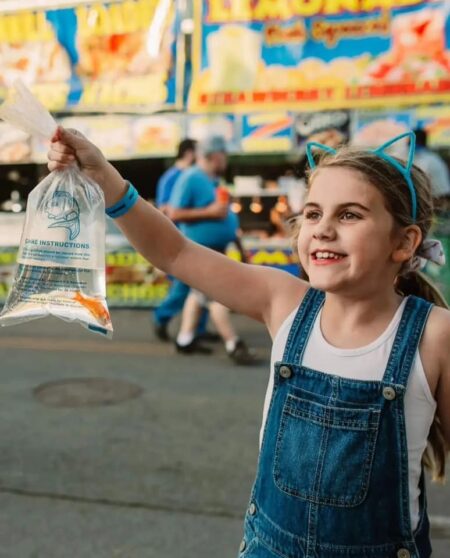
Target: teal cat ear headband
{"type": "Point", "coordinates": [405, 171]}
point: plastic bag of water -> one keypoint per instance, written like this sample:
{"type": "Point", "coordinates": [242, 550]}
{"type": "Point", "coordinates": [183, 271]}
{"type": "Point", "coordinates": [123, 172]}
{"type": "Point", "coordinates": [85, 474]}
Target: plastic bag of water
{"type": "Point", "coordinates": [61, 259]}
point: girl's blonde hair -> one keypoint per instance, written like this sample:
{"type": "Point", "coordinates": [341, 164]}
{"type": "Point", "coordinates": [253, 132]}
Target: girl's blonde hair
{"type": "Point", "coordinates": [394, 189]}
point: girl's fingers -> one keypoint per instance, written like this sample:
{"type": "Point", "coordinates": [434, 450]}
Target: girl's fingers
{"type": "Point", "coordinates": [62, 148]}
{"type": "Point", "coordinates": [53, 165]}
{"type": "Point", "coordinates": [57, 134]}
{"type": "Point", "coordinates": [59, 157]}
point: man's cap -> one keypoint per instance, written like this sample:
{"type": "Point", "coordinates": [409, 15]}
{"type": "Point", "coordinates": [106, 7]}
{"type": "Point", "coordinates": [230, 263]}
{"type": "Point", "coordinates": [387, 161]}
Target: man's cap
{"type": "Point", "coordinates": [212, 144]}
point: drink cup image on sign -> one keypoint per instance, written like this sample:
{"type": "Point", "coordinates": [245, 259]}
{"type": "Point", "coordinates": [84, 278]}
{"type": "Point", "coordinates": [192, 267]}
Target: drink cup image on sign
{"type": "Point", "coordinates": [235, 52]}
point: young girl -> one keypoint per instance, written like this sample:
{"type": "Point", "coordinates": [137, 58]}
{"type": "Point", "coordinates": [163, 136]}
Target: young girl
{"type": "Point", "coordinates": [360, 375]}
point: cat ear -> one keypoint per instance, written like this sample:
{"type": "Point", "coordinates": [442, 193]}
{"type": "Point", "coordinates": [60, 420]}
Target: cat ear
{"type": "Point", "coordinates": [404, 170]}
{"type": "Point", "coordinates": [381, 151]}
{"type": "Point", "coordinates": [309, 155]}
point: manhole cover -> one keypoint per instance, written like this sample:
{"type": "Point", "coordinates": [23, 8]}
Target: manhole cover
{"type": "Point", "coordinates": [85, 392]}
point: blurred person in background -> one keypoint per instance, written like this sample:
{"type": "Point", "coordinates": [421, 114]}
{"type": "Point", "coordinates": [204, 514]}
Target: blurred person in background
{"type": "Point", "coordinates": [173, 303]}
{"type": "Point", "coordinates": [204, 216]}
{"type": "Point", "coordinates": [185, 158]}
{"type": "Point", "coordinates": [436, 169]}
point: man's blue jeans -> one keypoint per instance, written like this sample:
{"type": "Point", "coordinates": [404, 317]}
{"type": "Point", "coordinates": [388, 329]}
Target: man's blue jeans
{"type": "Point", "coordinates": [173, 305]}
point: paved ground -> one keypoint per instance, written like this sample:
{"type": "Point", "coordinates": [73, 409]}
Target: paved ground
{"type": "Point", "coordinates": [166, 474]}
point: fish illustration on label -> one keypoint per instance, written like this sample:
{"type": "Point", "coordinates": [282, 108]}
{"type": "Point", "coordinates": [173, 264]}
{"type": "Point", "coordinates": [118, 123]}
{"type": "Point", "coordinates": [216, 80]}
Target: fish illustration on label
{"type": "Point", "coordinates": [64, 210]}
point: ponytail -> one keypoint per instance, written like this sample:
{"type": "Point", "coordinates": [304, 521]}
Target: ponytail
{"type": "Point", "coordinates": [418, 284]}
{"type": "Point", "coordinates": [434, 457]}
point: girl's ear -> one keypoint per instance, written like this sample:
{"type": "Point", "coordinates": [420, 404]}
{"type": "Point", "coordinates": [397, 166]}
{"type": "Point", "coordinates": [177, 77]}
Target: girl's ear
{"type": "Point", "coordinates": [409, 239]}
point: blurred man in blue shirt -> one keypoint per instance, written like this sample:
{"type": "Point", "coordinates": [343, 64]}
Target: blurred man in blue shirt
{"type": "Point", "coordinates": [195, 191]}
{"type": "Point", "coordinates": [206, 220]}
{"type": "Point", "coordinates": [173, 303]}
{"type": "Point", "coordinates": [184, 159]}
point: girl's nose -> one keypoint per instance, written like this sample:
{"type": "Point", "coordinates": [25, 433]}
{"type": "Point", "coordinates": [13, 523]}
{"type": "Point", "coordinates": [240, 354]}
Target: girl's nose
{"type": "Point", "coordinates": [324, 232]}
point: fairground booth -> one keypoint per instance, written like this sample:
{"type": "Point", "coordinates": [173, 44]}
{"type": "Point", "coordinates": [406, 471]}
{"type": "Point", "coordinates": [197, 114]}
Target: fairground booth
{"type": "Point", "coordinates": [137, 76]}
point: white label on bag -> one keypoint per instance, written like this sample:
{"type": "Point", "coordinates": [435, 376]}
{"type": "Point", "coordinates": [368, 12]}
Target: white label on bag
{"type": "Point", "coordinates": [60, 235]}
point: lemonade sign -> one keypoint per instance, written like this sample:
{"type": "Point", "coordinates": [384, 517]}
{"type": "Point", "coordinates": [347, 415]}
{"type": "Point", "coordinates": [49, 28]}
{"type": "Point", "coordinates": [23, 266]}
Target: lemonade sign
{"type": "Point", "coordinates": [319, 54]}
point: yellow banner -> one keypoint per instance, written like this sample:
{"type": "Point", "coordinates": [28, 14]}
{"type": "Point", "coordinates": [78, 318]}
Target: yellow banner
{"type": "Point", "coordinates": [264, 55]}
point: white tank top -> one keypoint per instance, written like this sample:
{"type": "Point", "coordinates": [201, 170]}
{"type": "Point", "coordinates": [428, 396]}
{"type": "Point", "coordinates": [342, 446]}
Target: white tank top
{"type": "Point", "coordinates": [369, 363]}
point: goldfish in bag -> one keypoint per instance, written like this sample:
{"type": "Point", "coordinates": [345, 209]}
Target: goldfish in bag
{"type": "Point", "coordinates": [61, 258]}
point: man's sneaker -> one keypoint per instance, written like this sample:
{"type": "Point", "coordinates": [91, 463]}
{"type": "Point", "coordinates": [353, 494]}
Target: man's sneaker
{"type": "Point", "coordinates": [209, 337]}
{"type": "Point", "coordinates": [241, 354]}
{"type": "Point", "coordinates": [160, 330]}
{"type": "Point", "coordinates": [193, 347]}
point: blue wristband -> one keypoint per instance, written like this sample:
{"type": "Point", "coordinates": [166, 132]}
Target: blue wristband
{"type": "Point", "coordinates": [125, 204]}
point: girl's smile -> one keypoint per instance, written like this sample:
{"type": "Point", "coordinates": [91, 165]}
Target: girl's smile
{"type": "Point", "coordinates": [326, 257]}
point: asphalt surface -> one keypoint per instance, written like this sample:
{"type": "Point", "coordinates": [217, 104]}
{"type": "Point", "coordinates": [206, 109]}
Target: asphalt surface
{"type": "Point", "coordinates": [165, 473]}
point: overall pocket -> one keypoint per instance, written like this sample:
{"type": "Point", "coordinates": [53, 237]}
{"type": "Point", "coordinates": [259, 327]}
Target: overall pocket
{"type": "Point", "coordinates": [323, 453]}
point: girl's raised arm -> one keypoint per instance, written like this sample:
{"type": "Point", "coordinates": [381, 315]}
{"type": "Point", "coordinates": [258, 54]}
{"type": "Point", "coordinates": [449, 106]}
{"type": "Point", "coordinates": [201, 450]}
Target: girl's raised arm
{"type": "Point", "coordinates": [263, 293]}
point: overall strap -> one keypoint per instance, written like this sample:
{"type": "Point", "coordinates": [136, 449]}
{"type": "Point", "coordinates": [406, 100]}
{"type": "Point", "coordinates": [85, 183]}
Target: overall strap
{"type": "Point", "coordinates": [302, 326]}
{"type": "Point", "coordinates": [409, 332]}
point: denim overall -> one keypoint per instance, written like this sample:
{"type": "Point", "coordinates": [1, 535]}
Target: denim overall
{"type": "Point", "coordinates": [332, 477]}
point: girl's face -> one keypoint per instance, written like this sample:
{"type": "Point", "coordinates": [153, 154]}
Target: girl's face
{"type": "Point", "coordinates": [346, 239]}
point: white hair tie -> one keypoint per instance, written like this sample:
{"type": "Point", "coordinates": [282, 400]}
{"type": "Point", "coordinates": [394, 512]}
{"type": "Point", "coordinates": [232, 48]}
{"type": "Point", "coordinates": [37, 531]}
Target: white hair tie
{"type": "Point", "coordinates": [431, 250]}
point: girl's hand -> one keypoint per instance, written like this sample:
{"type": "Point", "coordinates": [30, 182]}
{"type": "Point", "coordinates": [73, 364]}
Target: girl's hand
{"type": "Point", "coordinates": [69, 147]}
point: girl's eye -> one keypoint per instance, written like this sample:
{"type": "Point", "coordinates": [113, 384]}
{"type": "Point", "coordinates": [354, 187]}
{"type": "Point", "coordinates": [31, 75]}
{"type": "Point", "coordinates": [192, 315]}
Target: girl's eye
{"type": "Point", "coordinates": [312, 215]}
{"type": "Point", "coordinates": [349, 216]}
